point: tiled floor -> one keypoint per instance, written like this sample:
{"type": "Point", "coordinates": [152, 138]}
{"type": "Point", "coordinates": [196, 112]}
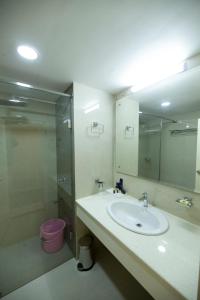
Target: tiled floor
{"type": "Point", "coordinates": [108, 280]}
{"type": "Point", "coordinates": [25, 261]}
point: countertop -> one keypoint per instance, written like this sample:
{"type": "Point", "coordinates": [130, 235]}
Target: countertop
{"type": "Point", "coordinates": [174, 255]}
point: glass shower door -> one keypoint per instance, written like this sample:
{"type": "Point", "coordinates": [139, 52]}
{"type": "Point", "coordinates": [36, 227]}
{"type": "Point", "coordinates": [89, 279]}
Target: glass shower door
{"type": "Point", "coordinates": [64, 137]}
{"type": "Point", "coordinates": [149, 147]}
{"type": "Point", "coordinates": [28, 184]}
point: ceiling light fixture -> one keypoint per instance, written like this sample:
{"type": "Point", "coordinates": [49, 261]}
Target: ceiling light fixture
{"type": "Point", "coordinates": [165, 104]}
{"type": "Point", "coordinates": [27, 52]}
{"type": "Point", "coordinates": [162, 248]}
{"type": "Point", "coordinates": [151, 75]}
{"type": "Point", "coordinates": [23, 84]}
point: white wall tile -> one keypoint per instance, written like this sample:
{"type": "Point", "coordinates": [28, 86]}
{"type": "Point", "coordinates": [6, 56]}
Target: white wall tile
{"type": "Point", "coordinates": [93, 154]}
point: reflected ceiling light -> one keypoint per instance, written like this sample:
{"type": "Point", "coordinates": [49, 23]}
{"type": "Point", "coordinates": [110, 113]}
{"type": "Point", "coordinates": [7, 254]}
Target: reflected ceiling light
{"type": "Point", "coordinates": [27, 52]}
{"type": "Point", "coordinates": [91, 108]}
{"type": "Point", "coordinates": [140, 112]}
{"type": "Point", "coordinates": [23, 84]}
{"type": "Point", "coordinates": [14, 100]}
{"type": "Point", "coordinates": [165, 104]}
{"type": "Point", "coordinates": [162, 248]}
{"type": "Point", "coordinates": [155, 75]}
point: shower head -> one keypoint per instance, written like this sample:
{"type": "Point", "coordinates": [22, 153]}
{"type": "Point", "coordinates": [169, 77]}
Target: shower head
{"type": "Point", "coordinates": [146, 114]}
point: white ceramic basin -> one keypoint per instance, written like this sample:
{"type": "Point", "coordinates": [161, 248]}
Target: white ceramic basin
{"type": "Point", "coordinates": [137, 218]}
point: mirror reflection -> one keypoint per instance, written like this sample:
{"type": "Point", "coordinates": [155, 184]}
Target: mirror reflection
{"type": "Point", "coordinates": [167, 150]}
{"type": "Point", "coordinates": [169, 139]}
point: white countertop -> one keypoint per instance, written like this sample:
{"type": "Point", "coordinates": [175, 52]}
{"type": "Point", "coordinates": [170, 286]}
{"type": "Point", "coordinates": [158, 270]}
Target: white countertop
{"type": "Point", "coordinates": [174, 255]}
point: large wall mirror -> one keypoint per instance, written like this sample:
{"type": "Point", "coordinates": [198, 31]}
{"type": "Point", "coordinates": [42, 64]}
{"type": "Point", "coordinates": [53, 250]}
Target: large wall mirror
{"type": "Point", "coordinates": [169, 132]}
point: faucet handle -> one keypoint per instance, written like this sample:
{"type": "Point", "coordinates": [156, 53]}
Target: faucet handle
{"type": "Point", "coordinates": [185, 201]}
{"type": "Point", "coordinates": [99, 183]}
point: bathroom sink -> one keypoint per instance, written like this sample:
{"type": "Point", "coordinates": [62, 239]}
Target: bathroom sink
{"type": "Point", "coordinates": [137, 218]}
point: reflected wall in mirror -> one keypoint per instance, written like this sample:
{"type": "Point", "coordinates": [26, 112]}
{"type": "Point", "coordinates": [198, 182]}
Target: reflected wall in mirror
{"type": "Point", "coordinates": [167, 150]}
{"type": "Point", "coordinates": [169, 131]}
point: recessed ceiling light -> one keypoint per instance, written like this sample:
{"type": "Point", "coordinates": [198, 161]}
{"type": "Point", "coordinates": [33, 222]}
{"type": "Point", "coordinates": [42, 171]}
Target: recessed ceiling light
{"type": "Point", "coordinates": [14, 100]}
{"type": "Point", "coordinates": [165, 104]}
{"type": "Point", "coordinates": [27, 52]}
{"type": "Point", "coordinates": [23, 84]}
{"type": "Point", "coordinates": [162, 248]}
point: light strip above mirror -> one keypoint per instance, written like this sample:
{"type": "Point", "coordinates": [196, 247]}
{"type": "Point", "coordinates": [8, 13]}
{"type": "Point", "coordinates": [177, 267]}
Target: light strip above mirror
{"type": "Point", "coordinates": [157, 75]}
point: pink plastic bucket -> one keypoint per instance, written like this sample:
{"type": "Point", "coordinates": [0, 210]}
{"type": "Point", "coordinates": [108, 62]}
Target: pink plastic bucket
{"type": "Point", "coordinates": [52, 235]}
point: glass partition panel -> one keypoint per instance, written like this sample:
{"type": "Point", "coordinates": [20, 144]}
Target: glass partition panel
{"type": "Point", "coordinates": [28, 183]}
{"type": "Point", "coordinates": [149, 146]}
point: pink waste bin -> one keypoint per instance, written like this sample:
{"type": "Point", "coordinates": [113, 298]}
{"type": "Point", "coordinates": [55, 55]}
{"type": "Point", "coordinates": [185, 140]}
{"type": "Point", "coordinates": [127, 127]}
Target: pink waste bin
{"type": "Point", "coordinates": [52, 235]}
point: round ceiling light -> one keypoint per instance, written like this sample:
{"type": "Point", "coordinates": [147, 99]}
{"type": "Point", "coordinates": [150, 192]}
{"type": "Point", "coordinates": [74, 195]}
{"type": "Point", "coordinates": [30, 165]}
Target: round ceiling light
{"type": "Point", "coordinates": [165, 104]}
{"type": "Point", "coordinates": [27, 52]}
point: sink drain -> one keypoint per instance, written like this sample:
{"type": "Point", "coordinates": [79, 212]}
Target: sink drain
{"type": "Point", "coordinates": [139, 225]}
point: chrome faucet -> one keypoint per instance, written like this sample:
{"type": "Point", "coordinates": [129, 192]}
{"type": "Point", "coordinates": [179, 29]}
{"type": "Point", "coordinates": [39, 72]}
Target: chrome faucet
{"type": "Point", "coordinates": [145, 199]}
{"type": "Point", "coordinates": [99, 183]}
{"type": "Point", "coordinates": [185, 202]}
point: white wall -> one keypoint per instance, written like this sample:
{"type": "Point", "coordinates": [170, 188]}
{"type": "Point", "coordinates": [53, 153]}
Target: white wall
{"type": "Point", "coordinates": [93, 153]}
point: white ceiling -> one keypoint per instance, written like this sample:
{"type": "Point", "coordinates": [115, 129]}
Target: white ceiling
{"type": "Point", "coordinates": [92, 41]}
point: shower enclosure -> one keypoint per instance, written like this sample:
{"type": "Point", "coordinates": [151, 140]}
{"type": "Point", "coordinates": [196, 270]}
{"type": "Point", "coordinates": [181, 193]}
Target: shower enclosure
{"type": "Point", "coordinates": [36, 180]}
{"type": "Point", "coordinates": [168, 149]}
{"type": "Point", "coordinates": [149, 146]}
